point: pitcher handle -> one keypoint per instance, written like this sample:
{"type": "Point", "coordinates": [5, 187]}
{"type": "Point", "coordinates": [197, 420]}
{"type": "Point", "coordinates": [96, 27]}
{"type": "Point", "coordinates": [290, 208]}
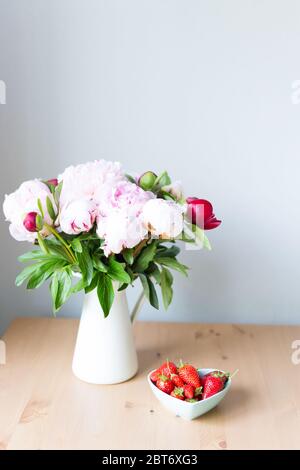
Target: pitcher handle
{"type": "Point", "coordinates": [137, 308]}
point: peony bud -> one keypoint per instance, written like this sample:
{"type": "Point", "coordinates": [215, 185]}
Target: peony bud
{"type": "Point", "coordinates": [146, 180]}
{"type": "Point", "coordinates": [78, 216]}
{"type": "Point", "coordinates": [200, 212]}
{"type": "Point", "coordinates": [175, 189]}
{"type": "Point", "coordinates": [30, 222]}
{"type": "Point", "coordinates": [53, 181]}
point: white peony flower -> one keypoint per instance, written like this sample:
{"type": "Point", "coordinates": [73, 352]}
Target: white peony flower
{"type": "Point", "coordinates": [163, 218]}
{"type": "Point", "coordinates": [120, 230]}
{"type": "Point", "coordinates": [24, 200]}
{"type": "Point", "coordinates": [77, 216]}
{"type": "Point", "coordinates": [91, 180]}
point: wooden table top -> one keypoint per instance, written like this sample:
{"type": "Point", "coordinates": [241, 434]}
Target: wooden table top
{"type": "Point", "coordinates": [43, 406]}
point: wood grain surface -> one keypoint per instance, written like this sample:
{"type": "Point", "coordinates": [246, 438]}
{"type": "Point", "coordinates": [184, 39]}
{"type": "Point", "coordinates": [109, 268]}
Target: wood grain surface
{"type": "Point", "coordinates": [43, 406]}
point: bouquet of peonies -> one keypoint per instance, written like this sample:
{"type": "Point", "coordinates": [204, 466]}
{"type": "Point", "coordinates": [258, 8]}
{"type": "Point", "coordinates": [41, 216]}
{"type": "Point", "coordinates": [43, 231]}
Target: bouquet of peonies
{"type": "Point", "coordinates": [107, 226]}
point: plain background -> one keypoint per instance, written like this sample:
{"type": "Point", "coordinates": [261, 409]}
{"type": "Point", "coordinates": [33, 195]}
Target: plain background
{"type": "Point", "coordinates": [203, 89]}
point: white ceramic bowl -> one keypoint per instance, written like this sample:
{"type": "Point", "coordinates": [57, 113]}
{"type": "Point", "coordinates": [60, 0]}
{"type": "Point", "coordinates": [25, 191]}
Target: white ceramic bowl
{"type": "Point", "coordinates": [185, 409]}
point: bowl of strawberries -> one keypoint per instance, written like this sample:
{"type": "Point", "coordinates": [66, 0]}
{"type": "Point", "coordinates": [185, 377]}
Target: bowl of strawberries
{"type": "Point", "coordinates": [187, 391]}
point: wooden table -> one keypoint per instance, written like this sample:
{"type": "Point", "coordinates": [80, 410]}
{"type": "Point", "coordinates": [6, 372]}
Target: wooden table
{"type": "Point", "coordinates": [43, 406]}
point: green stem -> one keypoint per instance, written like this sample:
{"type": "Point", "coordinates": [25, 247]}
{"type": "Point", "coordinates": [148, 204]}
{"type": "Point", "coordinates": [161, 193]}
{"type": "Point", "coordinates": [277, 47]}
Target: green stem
{"type": "Point", "coordinates": [62, 241]}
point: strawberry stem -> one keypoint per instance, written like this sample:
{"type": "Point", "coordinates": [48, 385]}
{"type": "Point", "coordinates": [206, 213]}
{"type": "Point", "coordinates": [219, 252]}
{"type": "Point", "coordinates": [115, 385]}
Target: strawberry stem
{"type": "Point", "coordinates": [234, 373]}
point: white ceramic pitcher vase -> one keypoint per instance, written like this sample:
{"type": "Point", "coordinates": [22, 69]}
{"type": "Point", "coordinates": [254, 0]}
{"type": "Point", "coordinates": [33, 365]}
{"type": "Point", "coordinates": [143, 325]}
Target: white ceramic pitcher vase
{"type": "Point", "coordinates": [105, 351]}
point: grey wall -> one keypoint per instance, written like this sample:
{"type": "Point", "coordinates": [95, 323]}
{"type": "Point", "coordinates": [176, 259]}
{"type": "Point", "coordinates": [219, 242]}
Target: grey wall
{"type": "Point", "coordinates": [200, 88]}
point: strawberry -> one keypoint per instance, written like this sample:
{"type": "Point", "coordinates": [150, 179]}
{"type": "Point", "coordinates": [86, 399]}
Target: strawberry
{"type": "Point", "coordinates": [217, 373]}
{"type": "Point", "coordinates": [188, 391]}
{"type": "Point", "coordinates": [189, 375]}
{"type": "Point", "coordinates": [198, 392]}
{"type": "Point", "coordinates": [155, 375]}
{"type": "Point", "coordinates": [177, 393]}
{"type": "Point", "coordinates": [203, 379]}
{"type": "Point", "coordinates": [213, 384]}
{"type": "Point", "coordinates": [165, 384]}
{"type": "Point", "coordinates": [177, 380]}
{"type": "Point", "coordinates": [168, 368]}
{"type": "Point", "coordinates": [192, 400]}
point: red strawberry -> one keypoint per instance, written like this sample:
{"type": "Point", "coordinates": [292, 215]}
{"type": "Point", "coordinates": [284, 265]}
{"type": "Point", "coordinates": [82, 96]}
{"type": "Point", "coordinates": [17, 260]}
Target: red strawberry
{"type": "Point", "coordinates": [154, 376]}
{"type": "Point", "coordinates": [165, 384]}
{"type": "Point", "coordinates": [192, 400]}
{"type": "Point", "coordinates": [213, 385]}
{"type": "Point", "coordinates": [203, 379]}
{"type": "Point", "coordinates": [217, 373]}
{"type": "Point", "coordinates": [168, 368]}
{"type": "Point", "coordinates": [177, 380]}
{"type": "Point", "coordinates": [189, 391]}
{"type": "Point", "coordinates": [177, 393]}
{"type": "Point", "coordinates": [189, 375]}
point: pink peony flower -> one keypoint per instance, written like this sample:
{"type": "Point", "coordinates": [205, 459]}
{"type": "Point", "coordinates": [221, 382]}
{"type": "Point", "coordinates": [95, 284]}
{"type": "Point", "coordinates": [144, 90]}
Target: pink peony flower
{"type": "Point", "coordinates": [77, 216]}
{"type": "Point", "coordinates": [120, 221]}
{"type": "Point", "coordinates": [163, 218]}
{"type": "Point", "coordinates": [89, 181]}
{"type": "Point", "coordinates": [23, 201]}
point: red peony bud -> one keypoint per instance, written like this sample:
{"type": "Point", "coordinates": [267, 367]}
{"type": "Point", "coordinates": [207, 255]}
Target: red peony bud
{"type": "Point", "coordinates": [30, 222]}
{"type": "Point", "coordinates": [53, 181]}
{"type": "Point", "coordinates": [200, 212]}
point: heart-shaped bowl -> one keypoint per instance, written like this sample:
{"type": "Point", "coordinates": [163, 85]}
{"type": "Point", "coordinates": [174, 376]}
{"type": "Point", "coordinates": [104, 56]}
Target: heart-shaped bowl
{"type": "Point", "coordinates": [185, 409]}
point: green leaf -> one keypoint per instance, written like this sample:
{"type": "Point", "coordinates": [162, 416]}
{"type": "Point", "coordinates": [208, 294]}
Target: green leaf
{"type": "Point", "coordinates": [130, 178]}
{"type": "Point", "coordinates": [86, 264]}
{"type": "Point", "coordinates": [26, 273]}
{"type": "Point", "coordinates": [76, 245]}
{"type": "Point", "coordinates": [153, 271]}
{"type": "Point", "coordinates": [63, 289]}
{"type": "Point", "coordinates": [122, 286]}
{"type": "Point", "coordinates": [78, 286]}
{"type": "Point", "coordinates": [128, 255]}
{"type": "Point", "coordinates": [32, 255]}
{"type": "Point", "coordinates": [99, 265]}
{"type": "Point", "coordinates": [54, 290]}
{"type": "Point", "coordinates": [171, 252]}
{"type": "Point", "coordinates": [56, 248]}
{"type": "Point", "coordinates": [166, 287]}
{"type": "Point", "coordinates": [117, 271]}
{"type": "Point", "coordinates": [194, 234]}
{"type": "Point", "coordinates": [43, 272]}
{"type": "Point", "coordinates": [57, 192]}
{"type": "Point", "coordinates": [39, 277]}
{"type": "Point", "coordinates": [92, 285]}
{"type": "Point", "coordinates": [40, 207]}
{"type": "Point", "coordinates": [149, 290]}
{"type": "Point", "coordinates": [42, 244]}
{"type": "Point", "coordinates": [105, 293]}
{"type": "Point", "coordinates": [39, 222]}
{"type": "Point", "coordinates": [201, 237]}
{"type": "Point", "coordinates": [167, 196]}
{"type": "Point", "coordinates": [145, 257]}
{"type": "Point", "coordinates": [162, 180]}
{"type": "Point", "coordinates": [50, 208]}
{"type": "Point", "coordinates": [173, 264]}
